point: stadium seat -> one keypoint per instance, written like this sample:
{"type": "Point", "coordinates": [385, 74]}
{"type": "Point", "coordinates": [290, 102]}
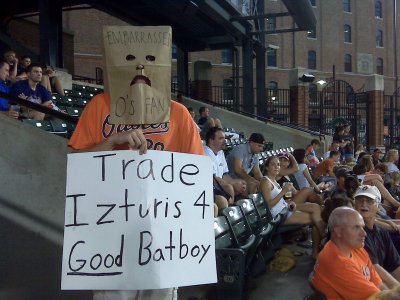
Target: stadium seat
{"type": "Point", "coordinates": [74, 111]}
{"type": "Point", "coordinates": [230, 262]}
{"type": "Point", "coordinates": [263, 231]}
{"type": "Point", "coordinates": [59, 127]}
{"type": "Point", "coordinates": [43, 124]}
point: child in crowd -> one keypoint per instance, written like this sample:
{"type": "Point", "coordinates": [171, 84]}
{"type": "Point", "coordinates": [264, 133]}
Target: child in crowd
{"type": "Point", "coordinates": [311, 155]}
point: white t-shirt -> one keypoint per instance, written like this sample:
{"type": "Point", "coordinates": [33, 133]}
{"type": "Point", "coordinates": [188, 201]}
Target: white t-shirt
{"type": "Point", "coordinates": [301, 180]}
{"type": "Point", "coordinates": [391, 167]}
{"type": "Point", "coordinates": [220, 167]}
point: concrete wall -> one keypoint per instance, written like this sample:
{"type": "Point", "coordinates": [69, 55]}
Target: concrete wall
{"type": "Point", "coordinates": [281, 136]}
{"type": "Point", "coordinates": [32, 196]}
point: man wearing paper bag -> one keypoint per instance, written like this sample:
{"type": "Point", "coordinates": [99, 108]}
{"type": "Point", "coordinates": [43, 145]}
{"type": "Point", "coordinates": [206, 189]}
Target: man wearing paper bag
{"type": "Point", "coordinates": [136, 112]}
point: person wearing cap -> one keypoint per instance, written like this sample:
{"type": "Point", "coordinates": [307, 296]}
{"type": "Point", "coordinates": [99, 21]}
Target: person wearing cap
{"type": "Point", "coordinates": [244, 160]}
{"type": "Point", "coordinates": [343, 269]}
{"type": "Point", "coordinates": [378, 243]}
{"type": "Point", "coordinates": [377, 156]}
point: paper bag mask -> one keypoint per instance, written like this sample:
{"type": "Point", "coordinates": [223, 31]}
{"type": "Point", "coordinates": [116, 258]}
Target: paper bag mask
{"type": "Point", "coordinates": [138, 73]}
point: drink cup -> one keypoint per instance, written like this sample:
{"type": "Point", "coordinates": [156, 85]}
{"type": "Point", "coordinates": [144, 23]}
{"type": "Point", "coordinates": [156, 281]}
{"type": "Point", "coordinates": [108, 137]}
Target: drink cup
{"type": "Point", "coordinates": [16, 108]}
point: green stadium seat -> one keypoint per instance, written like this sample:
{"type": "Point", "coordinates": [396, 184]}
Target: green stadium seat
{"type": "Point", "coordinates": [44, 124]}
{"type": "Point", "coordinates": [74, 111]}
{"type": "Point", "coordinates": [81, 102]}
{"type": "Point", "coordinates": [59, 127]}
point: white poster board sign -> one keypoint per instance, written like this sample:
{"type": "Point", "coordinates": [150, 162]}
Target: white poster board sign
{"type": "Point", "coordinates": [135, 222]}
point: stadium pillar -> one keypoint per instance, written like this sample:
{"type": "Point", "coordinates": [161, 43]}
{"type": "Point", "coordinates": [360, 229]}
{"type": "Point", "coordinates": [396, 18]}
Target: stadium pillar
{"type": "Point", "coordinates": [374, 86]}
{"type": "Point", "coordinates": [51, 33]}
{"type": "Point", "coordinates": [182, 71]}
{"type": "Point", "coordinates": [248, 93]}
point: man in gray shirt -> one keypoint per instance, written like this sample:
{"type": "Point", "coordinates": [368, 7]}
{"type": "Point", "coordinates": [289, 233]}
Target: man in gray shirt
{"type": "Point", "coordinates": [244, 160]}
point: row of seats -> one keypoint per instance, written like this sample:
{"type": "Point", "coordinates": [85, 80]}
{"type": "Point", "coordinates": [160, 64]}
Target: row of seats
{"type": "Point", "coordinates": [246, 237]}
{"type": "Point", "coordinates": [54, 126]}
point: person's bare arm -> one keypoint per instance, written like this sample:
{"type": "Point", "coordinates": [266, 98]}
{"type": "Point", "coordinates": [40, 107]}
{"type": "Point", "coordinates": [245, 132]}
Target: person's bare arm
{"type": "Point", "coordinates": [257, 172]}
{"type": "Point", "coordinates": [310, 180]}
{"type": "Point", "coordinates": [266, 188]}
{"type": "Point", "coordinates": [386, 277]}
{"type": "Point", "coordinates": [134, 138]}
{"type": "Point", "coordinates": [237, 167]}
{"type": "Point", "coordinates": [294, 167]}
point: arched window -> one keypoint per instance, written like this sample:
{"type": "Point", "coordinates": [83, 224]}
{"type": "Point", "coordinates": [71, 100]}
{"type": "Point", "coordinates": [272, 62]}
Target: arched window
{"type": "Point", "coordinates": [347, 5]}
{"type": "Point", "coordinates": [378, 9]}
{"type": "Point", "coordinates": [271, 57]}
{"type": "Point", "coordinates": [379, 66]}
{"type": "Point", "coordinates": [347, 33]}
{"type": "Point", "coordinates": [312, 60]}
{"type": "Point", "coordinates": [379, 38]}
{"type": "Point", "coordinates": [271, 23]}
{"type": "Point", "coordinates": [347, 63]}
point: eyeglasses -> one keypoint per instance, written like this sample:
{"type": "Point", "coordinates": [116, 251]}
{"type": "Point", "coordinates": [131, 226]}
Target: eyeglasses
{"type": "Point", "coordinates": [369, 201]}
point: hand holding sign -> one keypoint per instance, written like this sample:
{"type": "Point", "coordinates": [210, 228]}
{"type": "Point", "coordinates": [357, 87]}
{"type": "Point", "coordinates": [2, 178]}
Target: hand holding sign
{"type": "Point", "coordinates": [134, 138]}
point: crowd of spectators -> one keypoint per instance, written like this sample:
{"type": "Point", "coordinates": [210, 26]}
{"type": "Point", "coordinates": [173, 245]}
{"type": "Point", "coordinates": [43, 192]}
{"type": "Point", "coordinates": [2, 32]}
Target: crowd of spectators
{"type": "Point", "coordinates": [29, 81]}
{"type": "Point", "coordinates": [360, 240]}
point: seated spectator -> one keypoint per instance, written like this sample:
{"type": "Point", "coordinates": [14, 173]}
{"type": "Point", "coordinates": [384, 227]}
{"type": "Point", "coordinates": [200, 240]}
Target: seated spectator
{"type": "Point", "coordinates": [311, 155]}
{"type": "Point", "coordinates": [51, 81]}
{"type": "Point", "coordinates": [359, 149]}
{"type": "Point", "coordinates": [205, 122]}
{"type": "Point", "coordinates": [342, 174]}
{"type": "Point", "coordinates": [11, 58]}
{"type": "Point", "coordinates": [376, 180]}
{"type": "Point", "coordinates": [377, 156]}
{"type": "Point", "coordinates": [289, 166]}
{"type": "Point", "coordinates": [391, 160]}
{"type": "Point", "coordinates": [332, 203]}
{"type": "Point", "coordinates": [21, 69]}
{"type": "Point", "coordinates": [243, 160]}
{"type": "Point", "coordinates": [302, 176]}
{"type": "Point", "coordinates": [334, 146]}
{"type": "Point", "coordinates": [394, 187]}
{"type": "Point", "coordinates": [325, 167]}
{"type": "Point", "coordinates": [378, 244]}
{"type": "Point", "coordinates": [225, 188]}
{"type": "Point", "coordinates": [5, 107]}
{"type": "Point", "coordinates": [343, 269]}
{"type": "Point", "coordinates": [31, 90]}
{"type": "Point", "coordinates": [305, 213]}
{"type": "Point", "coordinates": [191, 112]}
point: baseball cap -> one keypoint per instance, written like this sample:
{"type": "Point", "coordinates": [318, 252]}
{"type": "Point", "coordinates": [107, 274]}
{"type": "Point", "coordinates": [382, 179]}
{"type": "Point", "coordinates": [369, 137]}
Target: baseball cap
{"type": "Point", "coordinates": [370, 191]}
{"type": "Point", "coordinates": [257, 138]}
{"type": "Point", "coordinates": [283, 155]}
